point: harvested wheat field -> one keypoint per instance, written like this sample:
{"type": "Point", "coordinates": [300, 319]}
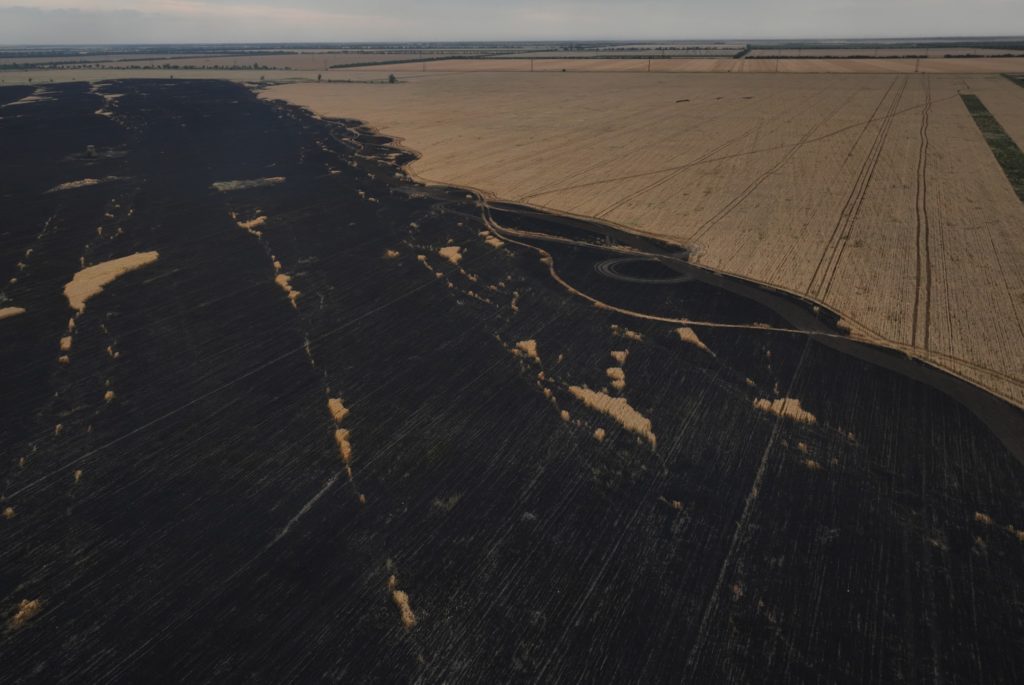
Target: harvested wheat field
{"type": "Point", "coordinates": [874, 195]}
{"type": "Point", "coordinates": [932, 51]}
{"type": "Point", "coordinates": [962, 65]}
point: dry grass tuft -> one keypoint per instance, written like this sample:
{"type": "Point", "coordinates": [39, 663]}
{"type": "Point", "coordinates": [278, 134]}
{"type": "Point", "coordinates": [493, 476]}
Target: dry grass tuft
{"type": "Point", "coordinates": [617, 376]}
{"type": "Point", "coordinates": [786, 407]}
{"type": "Point", "coordinates": [285, 283]}
{"type": "Point", "coordinates": [8, 312]}
{"type": "Point", "coordinates": [27, 610]}
{"type": "Point", "coordinates": [447, 503]}
{"type": "Point", "coordinates": [85, 182]}
{"type": "Point", "coordinates": [599, 434]}
{"type": "Point", "coordinates": [687, 335]}
{"type": "Point", "coordinates": [65, 343]}
{"type": "Point", "coordinates": [344, 446]}
{"type": "Point", "coordinates": [672, 503]}
{"type": "Point", "coordinates": [812, 465]}
{"type": "Point", "coordinates": [391, 254]}
{"type": "Point", "coordinates": [620, 356]}
{"type": "Point", "coordinates": [624, 332]}
{"type": "Point", "coordinates": [227, 186]}
{"type": "Point", "coordinates": [8, 513]}
{"type": "Point", "coordinates": [529, 348]}
{"type": "Point", "coordinates": [401, 600]}
{"type": "Point", "coordinates": [982, 518]}
{"type": "Point", "coordinates": [91, 280]}
{"type": "Point", "coordinates": [618, 409]}
{"type": "Point", "coordinates": [337, 409]}
{"type": "Point", "coordinates": [252, 224]}
{"type": "Point", "coordinates": [453, 253]}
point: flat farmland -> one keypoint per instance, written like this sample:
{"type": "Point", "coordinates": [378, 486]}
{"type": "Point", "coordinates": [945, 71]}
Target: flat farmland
{"type": "Point", "coordinates": [305, 60]}
{"type": "Point", "coordinates": [963, 65]}
{"type": "Point", "coordinates": [874, 195]}
{"type": "Point", "coordinates": [231, 59]}
{"type": "Point", "coordinates": [300, 61]}
{"type": "Point", "coordinates": [274, 407]}
{"type": "Point", "coordinates": [644, 52]}
{"type": "Point", "coordinates": [903, 52]}
{"type": "Point", "coordinates": [88, 58]}
{"type": "Point", "coordinates": [101, 73]}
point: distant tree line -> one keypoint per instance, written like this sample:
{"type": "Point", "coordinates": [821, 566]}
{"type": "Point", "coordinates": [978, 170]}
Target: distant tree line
{"type": "Point", "coordinates": [255, 66]}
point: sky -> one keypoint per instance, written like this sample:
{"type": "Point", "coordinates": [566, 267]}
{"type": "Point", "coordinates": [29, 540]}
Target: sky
{"type": "Point", "coordinates": [198, 21]}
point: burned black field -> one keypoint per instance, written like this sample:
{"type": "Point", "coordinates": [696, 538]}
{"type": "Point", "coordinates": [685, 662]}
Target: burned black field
{"type": "Point", "coordinates": [496, 496]}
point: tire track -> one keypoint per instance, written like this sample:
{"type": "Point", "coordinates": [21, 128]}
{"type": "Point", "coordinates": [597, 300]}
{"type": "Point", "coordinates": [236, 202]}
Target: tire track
{"type": "Point", "coordinates": [705, 157]}
{"type": "Point", "coordinates": [854, 214]}
{"type": "Point", "coordinates": [923, 288]}
{"type": "Point", "coordinates": [672, 174]}
{"type": "Point", "coordinates": [821, 280]}
{"type": "Point", "coordinates": [576, 175]}
{"type": "Point", "coordinates": [755, 184]}
{"type": "Point", "coordinates": [834, 180]}
{"type": "Point", "coordinates": [741, 532]}
{"type": "Point", "coordinates": [655, 172]}
{"type": "Point", "coordinates": [825, 255]}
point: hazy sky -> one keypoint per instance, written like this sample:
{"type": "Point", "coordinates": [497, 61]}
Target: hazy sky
{"type": "Point", "coordinates": [141, 21]}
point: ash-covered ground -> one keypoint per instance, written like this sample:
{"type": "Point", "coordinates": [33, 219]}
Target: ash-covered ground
{"type": "Point", "coordinates": [345, 428]}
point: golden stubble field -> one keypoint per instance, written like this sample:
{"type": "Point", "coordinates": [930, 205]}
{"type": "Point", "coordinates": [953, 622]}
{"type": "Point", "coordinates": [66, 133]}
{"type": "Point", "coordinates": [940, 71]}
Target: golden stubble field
{"type": "Point", "coordinates": [963, 65]}
{"type": "Point", "coordinates": [875, 195]}
{"type": "Point", "coordinates": [934, 51]}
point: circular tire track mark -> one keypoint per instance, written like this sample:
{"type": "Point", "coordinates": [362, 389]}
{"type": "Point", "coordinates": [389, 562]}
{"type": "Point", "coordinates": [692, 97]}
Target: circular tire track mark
{"type": "Point", "coordinates": [611, 268]}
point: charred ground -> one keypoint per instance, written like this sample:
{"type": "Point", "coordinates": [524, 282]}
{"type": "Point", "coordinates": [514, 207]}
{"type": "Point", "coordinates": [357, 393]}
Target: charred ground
{"type": "Point", "coordinates": [202, 523]}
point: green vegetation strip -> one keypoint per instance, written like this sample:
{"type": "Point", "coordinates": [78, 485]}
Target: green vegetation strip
{"type": "Point", "coordinates": [1015, 78]}
{"type": "Point", "coordinates": [1005, 150]}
